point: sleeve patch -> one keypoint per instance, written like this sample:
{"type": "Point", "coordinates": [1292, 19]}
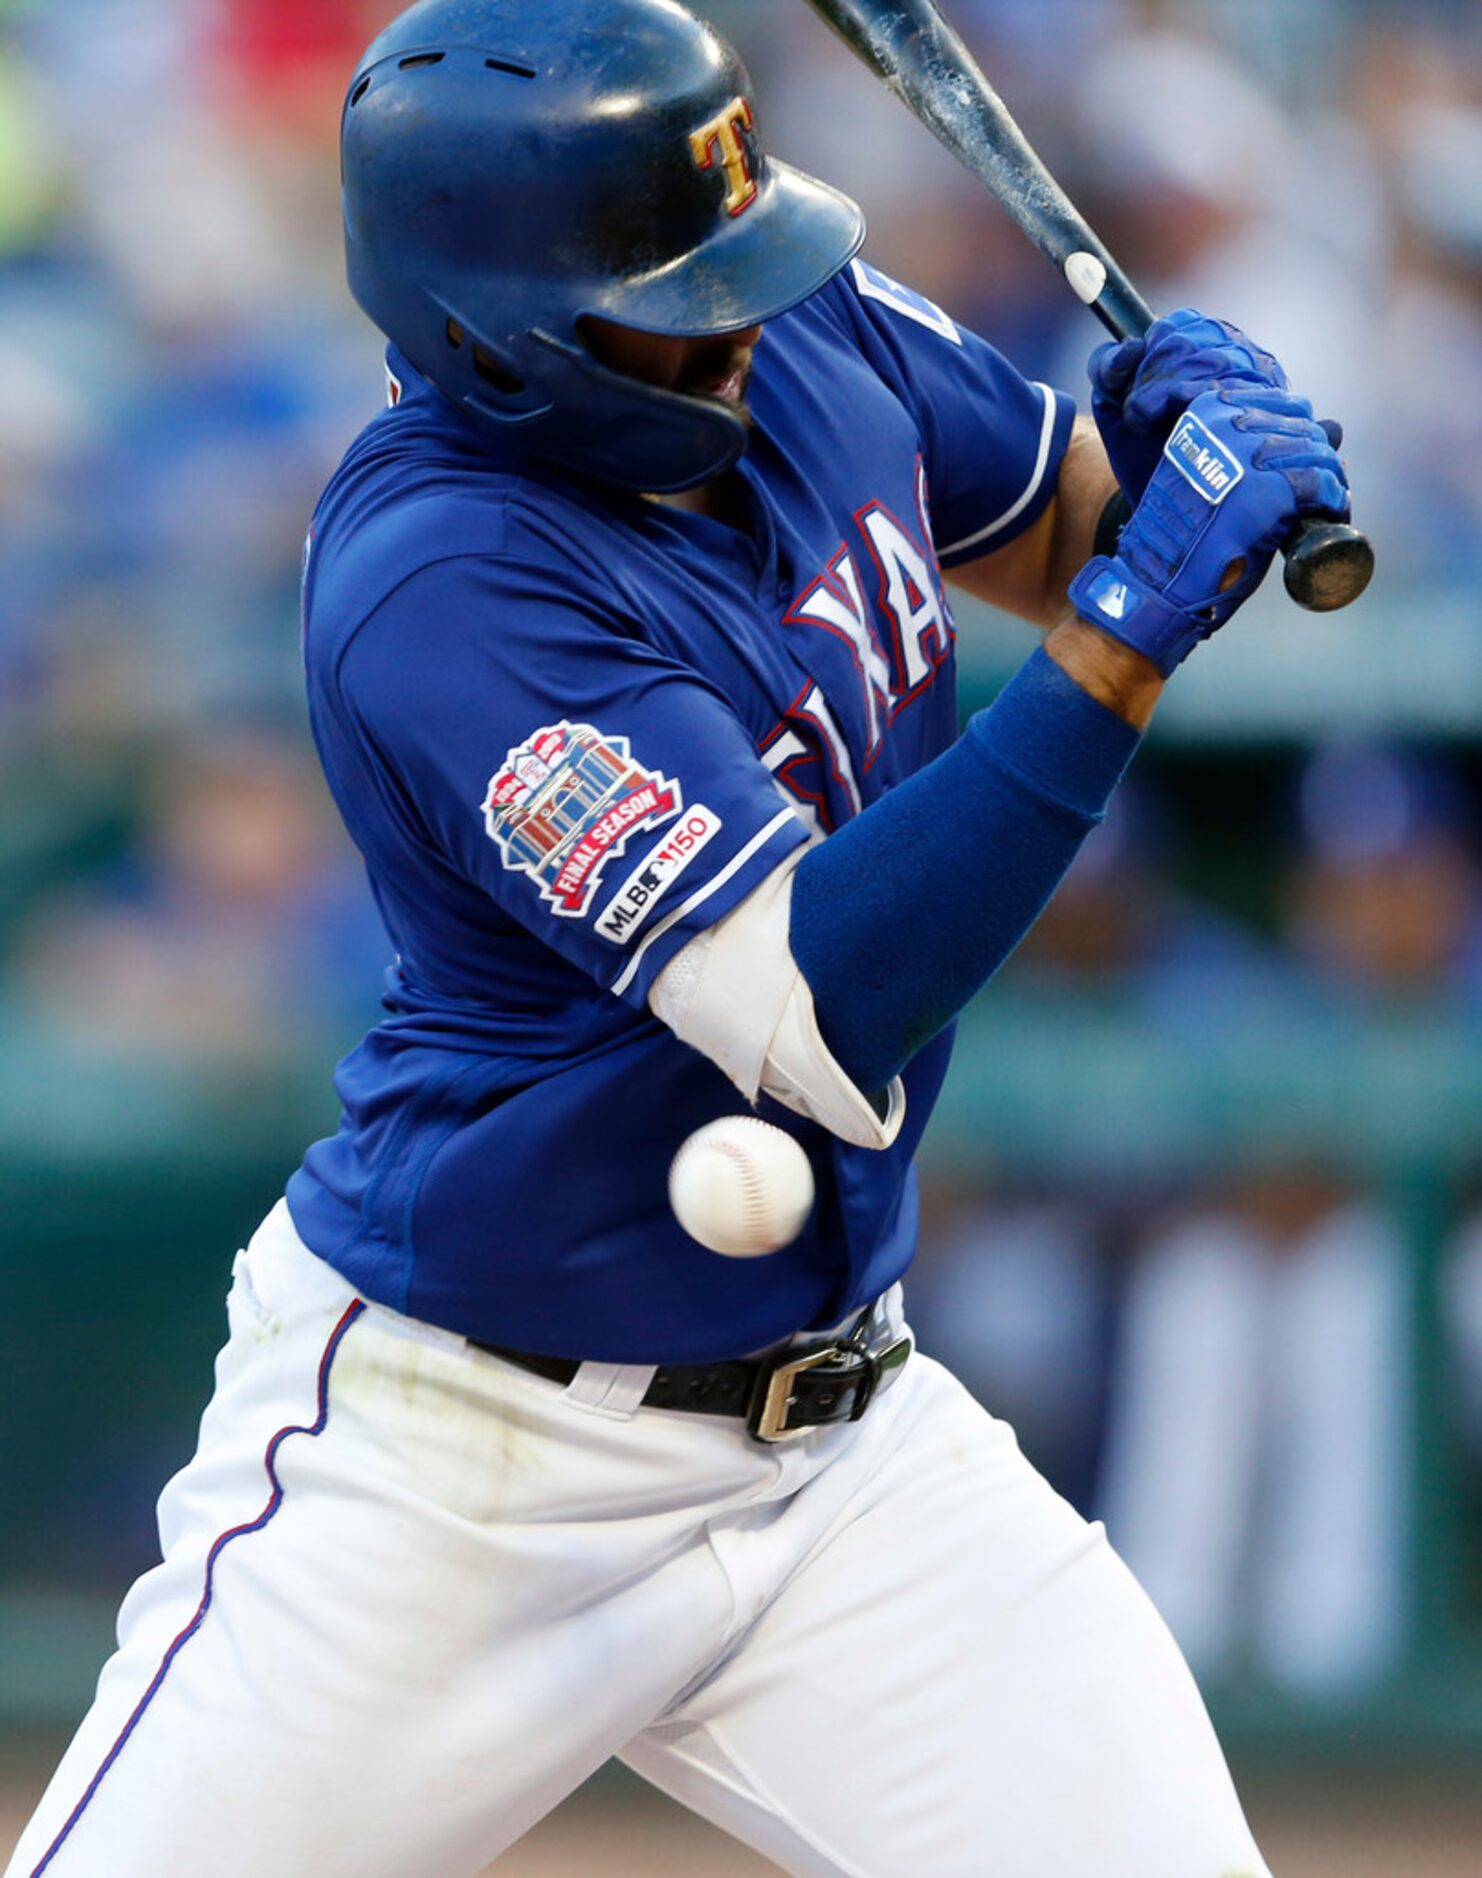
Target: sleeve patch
{"type": "Point", "coordinates": [871, 284]}
{"type": "Point", "coordinates": [631, 905]}
{"type": "Point", "coordinates": [566, 802]}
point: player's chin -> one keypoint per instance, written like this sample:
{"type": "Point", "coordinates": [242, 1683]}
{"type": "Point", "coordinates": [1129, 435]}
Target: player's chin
{"type": "Point", "coordinates": [738, 407]}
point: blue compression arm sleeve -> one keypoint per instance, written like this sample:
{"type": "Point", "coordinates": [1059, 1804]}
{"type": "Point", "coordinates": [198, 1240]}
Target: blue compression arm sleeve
{"type": "Point", "coordinates": [907, 911]}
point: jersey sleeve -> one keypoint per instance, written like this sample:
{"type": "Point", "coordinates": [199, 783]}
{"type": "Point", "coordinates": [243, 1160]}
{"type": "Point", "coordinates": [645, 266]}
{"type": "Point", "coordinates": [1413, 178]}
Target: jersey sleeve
{"type": "Point", "coordinates": [992, 441]}
{"type": "Point", "coordinates": [604, 796]}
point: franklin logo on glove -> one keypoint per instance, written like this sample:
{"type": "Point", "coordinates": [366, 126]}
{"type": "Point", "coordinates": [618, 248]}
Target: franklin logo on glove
{"type": "Point", "coordinates": [1211, 469]}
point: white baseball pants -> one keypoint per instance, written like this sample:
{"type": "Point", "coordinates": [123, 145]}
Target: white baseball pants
{"type": "Point", "coordinates": [411, 1596]}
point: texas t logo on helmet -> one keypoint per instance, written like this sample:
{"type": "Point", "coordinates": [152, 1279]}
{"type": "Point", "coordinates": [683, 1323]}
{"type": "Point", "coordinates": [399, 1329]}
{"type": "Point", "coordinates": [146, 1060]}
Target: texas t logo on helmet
{"type": "Point", "coordinates": [723, 133]}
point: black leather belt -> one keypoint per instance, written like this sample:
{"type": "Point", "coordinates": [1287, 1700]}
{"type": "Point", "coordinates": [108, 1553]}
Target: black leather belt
{"type": "Point", "coordinates": [782, 1396]}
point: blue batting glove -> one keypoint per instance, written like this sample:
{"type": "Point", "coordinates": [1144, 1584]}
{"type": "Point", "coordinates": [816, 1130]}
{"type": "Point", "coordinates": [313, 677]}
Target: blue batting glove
{"type": "Point", "coordinates": [1241, 466]}
{"type": "Point", "coordinates": [1141, 387]}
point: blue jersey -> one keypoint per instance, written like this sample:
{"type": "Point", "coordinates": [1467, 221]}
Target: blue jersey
{"type": "Point", "coordinates": [569, 729]}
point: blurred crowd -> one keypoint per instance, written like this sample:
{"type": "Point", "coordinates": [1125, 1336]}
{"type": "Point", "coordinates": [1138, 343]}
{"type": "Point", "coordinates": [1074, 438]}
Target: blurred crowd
{"type": "Point", "coordinates": [1244, 1366]}
{"type": "Point", "coordinates": [1225, 1371]}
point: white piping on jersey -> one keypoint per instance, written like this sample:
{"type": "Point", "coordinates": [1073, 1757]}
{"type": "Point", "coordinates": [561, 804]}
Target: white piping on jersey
{"type": "Point", "coordinates": [1046, 437]}
{"type": "Point", "coordinates": [625, 978]}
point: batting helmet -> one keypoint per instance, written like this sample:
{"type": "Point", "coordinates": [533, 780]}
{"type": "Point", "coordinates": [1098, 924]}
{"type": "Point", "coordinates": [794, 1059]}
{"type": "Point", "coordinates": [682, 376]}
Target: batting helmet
{"type": "Point", "coordinates": [511, 166]}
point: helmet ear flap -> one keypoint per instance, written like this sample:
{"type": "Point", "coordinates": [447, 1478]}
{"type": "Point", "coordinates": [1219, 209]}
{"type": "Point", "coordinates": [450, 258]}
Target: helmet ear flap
{"type": "Point", "coordinates": [617, 429]}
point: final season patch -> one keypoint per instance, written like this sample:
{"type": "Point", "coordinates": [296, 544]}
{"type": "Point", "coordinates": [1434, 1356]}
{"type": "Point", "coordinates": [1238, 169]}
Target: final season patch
{"type": "Point", "coordinates": [565, 802]}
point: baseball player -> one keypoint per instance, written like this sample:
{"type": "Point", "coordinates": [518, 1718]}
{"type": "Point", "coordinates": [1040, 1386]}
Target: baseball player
{"type": "Point", "coordinates": [630, 662]}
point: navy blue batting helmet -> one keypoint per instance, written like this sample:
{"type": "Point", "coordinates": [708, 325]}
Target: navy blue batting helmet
{"type": "Point", "coordinates": [512, 166]}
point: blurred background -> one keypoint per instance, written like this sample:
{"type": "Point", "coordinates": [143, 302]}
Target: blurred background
{"type": "Point", "coordinates": [1205, 1194]}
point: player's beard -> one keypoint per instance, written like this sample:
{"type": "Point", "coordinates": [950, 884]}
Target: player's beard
{"type": "Point", "coordinates": [723, 376]}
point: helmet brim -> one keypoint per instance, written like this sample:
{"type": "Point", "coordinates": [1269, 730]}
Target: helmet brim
{"type": "Point", "coordinates": [792, 240]}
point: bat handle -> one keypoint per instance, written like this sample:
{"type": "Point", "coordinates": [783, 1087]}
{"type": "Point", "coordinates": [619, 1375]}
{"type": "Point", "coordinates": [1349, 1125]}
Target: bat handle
{"type": "Point", "coordinates": [1328, 564]}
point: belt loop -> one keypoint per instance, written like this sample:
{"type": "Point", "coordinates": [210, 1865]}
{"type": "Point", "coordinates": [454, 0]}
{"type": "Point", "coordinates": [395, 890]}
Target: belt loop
{"type": "Point", "coordinates": [612, 1389]}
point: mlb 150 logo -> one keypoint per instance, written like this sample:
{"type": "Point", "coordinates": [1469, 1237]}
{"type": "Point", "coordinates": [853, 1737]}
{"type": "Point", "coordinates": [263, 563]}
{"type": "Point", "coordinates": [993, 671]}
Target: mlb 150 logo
{"type": "Point", "coordinates": [626, 911]}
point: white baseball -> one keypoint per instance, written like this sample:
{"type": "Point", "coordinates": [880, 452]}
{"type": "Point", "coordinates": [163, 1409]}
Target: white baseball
{"type": "Point", "coordinates": [741, 1187]}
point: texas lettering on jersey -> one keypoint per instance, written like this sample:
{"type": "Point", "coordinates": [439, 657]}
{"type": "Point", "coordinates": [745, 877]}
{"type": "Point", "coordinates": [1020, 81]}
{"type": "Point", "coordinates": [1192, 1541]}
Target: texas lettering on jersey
{"type": "Point", "coordinates": [892, 577]}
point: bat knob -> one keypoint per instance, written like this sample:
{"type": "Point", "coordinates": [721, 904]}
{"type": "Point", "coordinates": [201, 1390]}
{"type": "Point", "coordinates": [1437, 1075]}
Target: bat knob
{"type": "Point", "coordinates": [1328, 565]}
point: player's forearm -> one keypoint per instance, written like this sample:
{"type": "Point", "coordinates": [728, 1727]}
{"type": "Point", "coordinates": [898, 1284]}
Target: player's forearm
{"type": "Point", "coordinates": [1085, 486]}
{"type": "Point", "coordinates": [1029, 576]}
{"type": "Point", "coordinates": [900, 917]}
{"type": "Point", "coordinates": [1112, 673]}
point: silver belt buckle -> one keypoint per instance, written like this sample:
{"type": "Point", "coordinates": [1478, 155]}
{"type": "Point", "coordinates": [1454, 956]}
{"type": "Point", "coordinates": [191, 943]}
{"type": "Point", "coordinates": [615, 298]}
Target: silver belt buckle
{"type": "Point", "coordinates": [769, 1419]}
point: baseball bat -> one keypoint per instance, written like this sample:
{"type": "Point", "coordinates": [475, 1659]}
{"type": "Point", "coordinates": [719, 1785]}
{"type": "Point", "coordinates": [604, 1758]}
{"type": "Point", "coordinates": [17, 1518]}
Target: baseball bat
{"type": "Point", "coordinates": [924, 62]}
